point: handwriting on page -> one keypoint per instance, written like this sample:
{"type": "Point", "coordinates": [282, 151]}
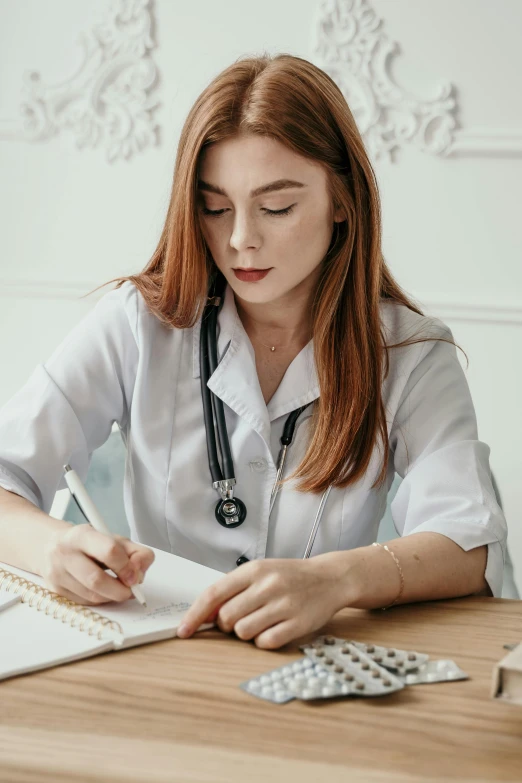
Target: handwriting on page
{"type": "Point", "coordinates": [163, 611]}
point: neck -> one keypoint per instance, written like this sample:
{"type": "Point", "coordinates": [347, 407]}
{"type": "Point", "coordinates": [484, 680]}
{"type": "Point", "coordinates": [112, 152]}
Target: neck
{"type": "Point", "coordinates": [282, 323]}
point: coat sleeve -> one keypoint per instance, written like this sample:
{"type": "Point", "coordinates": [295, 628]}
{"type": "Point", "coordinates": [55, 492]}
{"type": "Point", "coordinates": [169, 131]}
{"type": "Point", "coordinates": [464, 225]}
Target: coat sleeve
{"type": "Point", "coordinates": [68, 405]}
{"type": "Point", "coordinates": [446, 485]}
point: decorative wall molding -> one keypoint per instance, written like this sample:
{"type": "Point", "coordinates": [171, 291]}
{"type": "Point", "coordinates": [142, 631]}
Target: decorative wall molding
{"type": "Point", "coordinates": [353, 48]}
{"type": "Point", "coordinates": [474, 312]}
{"type": "Point", "coordinates": [107, 101]}
{"type": "Point", "coordinates": [439, 305]}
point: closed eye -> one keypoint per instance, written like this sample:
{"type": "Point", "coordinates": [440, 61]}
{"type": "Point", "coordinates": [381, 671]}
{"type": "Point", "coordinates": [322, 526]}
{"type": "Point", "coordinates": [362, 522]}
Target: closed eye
{"type": "Point", "coordinates": [277, 212]}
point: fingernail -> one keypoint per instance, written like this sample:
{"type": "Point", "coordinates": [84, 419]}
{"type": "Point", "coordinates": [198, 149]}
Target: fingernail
{"type": "Point", "coordinates": [129, 577]}
{"type": "Point", "coordinates": [141, 577]}
{"type": "Point", "coordinates": [183, 630]}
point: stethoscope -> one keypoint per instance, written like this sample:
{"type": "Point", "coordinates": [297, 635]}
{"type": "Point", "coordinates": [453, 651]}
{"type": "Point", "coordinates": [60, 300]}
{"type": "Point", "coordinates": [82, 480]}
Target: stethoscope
{"type": "Point", "coordinates": [230, 511]}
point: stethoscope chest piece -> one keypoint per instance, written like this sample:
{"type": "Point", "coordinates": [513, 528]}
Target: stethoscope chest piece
{"type": "Point", "coordinates": [230, 512]}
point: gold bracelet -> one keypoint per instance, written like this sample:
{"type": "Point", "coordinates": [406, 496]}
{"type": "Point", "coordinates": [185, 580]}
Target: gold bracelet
{"type": "Point", "coordinates": [401, 588]}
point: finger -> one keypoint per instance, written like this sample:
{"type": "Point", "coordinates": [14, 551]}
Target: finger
{"type": "Point", "coordinates": [239, 606]}
{"type": "Point", "coordinates": [141, 557]}
{"type": "Point", "coordinates": [278, 635]}
{"type": "Point", "coordinates": [257, 622]}
{"type": "Point", "coordinates": [95, 579]}
{"type": "Point", "coordinates": [212, 598]}
{"type": "Point", "coordinates": [108, 550]}
{"type": "Point", "coordinates": [72, 589]}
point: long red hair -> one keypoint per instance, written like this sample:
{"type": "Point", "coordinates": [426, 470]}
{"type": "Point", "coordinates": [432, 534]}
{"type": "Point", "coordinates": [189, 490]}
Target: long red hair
{"type": "Point", "coordinates": [296, 103]}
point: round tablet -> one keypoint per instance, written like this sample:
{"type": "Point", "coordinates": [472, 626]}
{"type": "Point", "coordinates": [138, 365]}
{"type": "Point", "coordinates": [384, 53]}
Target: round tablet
{"type": "Point", "coordinates": [328, 691]}
{"type": "Point", "coordinates": [331, 680]}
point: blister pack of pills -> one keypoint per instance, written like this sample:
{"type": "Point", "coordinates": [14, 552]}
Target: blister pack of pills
{"type": "Point", "coordinates": [274, 685]}
{"type": "Point", "coordinates": [343, 659]}
{"type": "Point", "coordinates": [389, 657]}
{"type": "Point", "coordinates": [338, 667]}
{"type": "Point", "coordinates": [433, 671]}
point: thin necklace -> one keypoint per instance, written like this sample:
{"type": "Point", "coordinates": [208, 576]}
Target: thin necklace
{"type": "Point", "coordinates": [272, 347]}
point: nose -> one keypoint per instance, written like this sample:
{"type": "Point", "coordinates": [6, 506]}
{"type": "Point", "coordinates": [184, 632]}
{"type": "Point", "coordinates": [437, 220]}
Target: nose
{"type": "Point", "coordinates": [244, 233]}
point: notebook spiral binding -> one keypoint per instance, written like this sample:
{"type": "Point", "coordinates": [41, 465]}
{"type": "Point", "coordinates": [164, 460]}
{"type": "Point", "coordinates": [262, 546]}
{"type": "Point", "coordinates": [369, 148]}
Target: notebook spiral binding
{"type": "Point", "coordinates": [62, 608]}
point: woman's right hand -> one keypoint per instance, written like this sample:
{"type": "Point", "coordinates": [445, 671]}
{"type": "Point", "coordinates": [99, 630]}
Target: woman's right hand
{"type": "Point", "coordinates": [76, 557]}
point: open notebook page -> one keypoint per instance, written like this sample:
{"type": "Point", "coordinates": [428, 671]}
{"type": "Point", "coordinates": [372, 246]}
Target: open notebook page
{"type": "Point", "coordinates": [29, 640]}
{"type": "Point", "coordinates": [171, 584]}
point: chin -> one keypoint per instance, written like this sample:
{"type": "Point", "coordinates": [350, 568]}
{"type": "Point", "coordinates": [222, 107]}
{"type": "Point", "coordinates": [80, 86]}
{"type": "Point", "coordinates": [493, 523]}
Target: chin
{"type": "Point", "coordinates": [256, 293]}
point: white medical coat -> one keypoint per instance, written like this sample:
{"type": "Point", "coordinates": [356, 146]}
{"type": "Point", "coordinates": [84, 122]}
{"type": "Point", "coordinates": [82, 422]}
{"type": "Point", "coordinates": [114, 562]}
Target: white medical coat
{"type": "Point", "coordinates": [120, 364]}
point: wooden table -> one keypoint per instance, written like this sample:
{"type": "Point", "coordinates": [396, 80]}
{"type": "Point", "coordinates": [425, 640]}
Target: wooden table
{"type": "Point", "coordinates": [173, 711]}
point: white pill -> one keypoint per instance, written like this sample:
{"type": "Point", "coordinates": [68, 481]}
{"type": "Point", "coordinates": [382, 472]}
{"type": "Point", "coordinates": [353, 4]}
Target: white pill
{"type": "Point", "coordinates": [306, 693]}
{"type": "Point", "coordinates": [312, 681]}
{"type": "Point", "coordinates": [299, 676]}
{"type": "Point", "coordinates": [307, 663]}
{"type": "Point", "coordinates": [297, 667]}
{"type": "Point", "coordinates": [265, 679]}
{"type": "Point", "coordinates": [328, 691]}
{"type": "Point", "coordinates": [286, 670]}
{"type": "Point", "coordinates": [322, 674]}
{"type": "Point", "coordinates": [266, 691]}
{"type": "Point", "coordinates": [254, 685]}
{"type": "Point", "coordinates": [280, 696]}
{"type": "Point", "coordinates": [331, 680]}
{"type": "Point", "coordinates": [345, 688]}
{"type": "Point", "coordinates": [276, 676]}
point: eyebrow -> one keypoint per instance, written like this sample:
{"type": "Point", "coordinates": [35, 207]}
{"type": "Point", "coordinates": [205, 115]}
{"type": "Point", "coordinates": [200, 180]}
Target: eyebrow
{"type": "Point", "coordinates": [270, 187]}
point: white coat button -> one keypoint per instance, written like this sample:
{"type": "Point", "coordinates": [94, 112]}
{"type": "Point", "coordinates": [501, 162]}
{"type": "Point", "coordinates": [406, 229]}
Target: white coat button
{"type": "Point", "coordinates": [259, 464]}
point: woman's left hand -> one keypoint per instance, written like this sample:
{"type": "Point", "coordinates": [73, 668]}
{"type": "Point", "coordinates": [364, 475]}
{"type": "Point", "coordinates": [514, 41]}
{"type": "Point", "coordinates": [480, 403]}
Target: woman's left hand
{"type": "Point", "coordinates": [272, 601]}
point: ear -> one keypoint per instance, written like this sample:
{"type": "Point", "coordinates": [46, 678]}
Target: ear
{"type": "Point", "coordinates": [339, 216]}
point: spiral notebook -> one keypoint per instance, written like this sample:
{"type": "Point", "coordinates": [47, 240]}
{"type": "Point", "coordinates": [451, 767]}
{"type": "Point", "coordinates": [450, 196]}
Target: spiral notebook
{"type": "Point", "coordinates": [39, 629]}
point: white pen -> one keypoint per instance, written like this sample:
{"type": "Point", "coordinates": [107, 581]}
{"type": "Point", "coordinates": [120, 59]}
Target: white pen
{"type": "Point", "coordinates": [92, 514]}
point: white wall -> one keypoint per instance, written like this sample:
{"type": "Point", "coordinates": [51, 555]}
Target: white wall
{"type": "Point", "coordinates": [71, 220]}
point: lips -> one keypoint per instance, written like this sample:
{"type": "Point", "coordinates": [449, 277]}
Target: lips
{"type": "Point", "coordinates": [250, 275]}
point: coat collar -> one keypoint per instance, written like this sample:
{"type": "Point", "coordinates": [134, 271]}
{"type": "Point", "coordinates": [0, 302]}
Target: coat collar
{"type": "Point", "coordinates": [235, 379]}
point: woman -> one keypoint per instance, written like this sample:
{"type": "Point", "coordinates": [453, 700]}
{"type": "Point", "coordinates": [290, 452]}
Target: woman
{"type": "Point", "coordinates": [274, 200]}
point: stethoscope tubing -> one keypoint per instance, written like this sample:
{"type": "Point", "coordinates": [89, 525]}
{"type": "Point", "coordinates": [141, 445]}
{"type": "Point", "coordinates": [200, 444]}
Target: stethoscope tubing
{"type": "Point", "coordinates": [213, 410]}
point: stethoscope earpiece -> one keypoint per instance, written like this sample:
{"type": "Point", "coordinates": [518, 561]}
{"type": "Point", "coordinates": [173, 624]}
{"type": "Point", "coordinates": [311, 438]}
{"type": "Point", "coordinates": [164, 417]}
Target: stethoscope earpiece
{"type": "Point", "coordinates": [230, 512]}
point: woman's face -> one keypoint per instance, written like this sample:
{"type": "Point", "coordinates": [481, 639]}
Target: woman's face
{"type": "Point", "coordinates": [272, 213]}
